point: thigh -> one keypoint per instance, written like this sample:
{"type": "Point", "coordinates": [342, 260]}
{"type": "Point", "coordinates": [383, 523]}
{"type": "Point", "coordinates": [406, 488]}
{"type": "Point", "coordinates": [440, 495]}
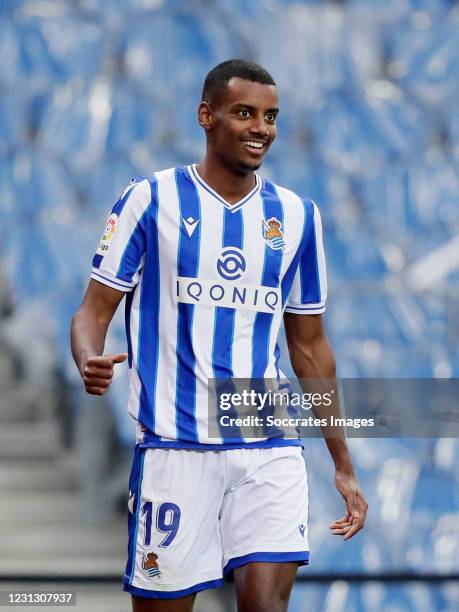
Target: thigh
{"type": "Point", "coordinates": [265, 512]}
{"type": "Point", "coordinates": [174, 538]}
{"type": "Point", "coordinates": [264, 587]}
{"type": "Point", "coordinates": [143, 604]}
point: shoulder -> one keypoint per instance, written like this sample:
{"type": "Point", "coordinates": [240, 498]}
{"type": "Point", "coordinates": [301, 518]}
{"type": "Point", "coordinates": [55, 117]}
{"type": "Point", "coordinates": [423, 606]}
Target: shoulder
{"type": "Point", "coordinates": [143, 189]}
{"type": "Point", "coordinates": [164, 175]}
{"type": "Point", "coordinates": [163, 181]}
{"type": "Point", "coordinates": [136, 195]}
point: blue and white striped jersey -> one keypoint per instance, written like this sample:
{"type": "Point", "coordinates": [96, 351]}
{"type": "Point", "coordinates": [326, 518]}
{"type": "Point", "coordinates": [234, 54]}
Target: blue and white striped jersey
{"type": "Point", "coordinates": [207, 284]}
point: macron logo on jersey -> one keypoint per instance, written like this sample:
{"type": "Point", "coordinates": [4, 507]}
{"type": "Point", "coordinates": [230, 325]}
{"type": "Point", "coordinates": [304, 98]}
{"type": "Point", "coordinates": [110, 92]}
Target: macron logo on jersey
{"type": "Point", "coordinates": [190, 225]}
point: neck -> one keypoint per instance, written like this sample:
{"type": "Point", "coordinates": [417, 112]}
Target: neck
{"type": "Point", "coordinates": [230, 185]}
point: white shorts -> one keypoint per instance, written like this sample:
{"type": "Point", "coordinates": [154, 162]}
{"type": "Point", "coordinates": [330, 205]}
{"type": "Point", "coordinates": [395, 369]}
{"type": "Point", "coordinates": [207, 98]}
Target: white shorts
{"type": "Point", "coordinates": [196, 515]}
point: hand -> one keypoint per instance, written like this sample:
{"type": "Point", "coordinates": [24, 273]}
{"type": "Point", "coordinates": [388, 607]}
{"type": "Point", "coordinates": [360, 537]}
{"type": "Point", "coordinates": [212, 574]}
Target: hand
{"type": "Point", "coordinates": [98, 372]}
{"type": "Point", "coordinates": [356, 506]}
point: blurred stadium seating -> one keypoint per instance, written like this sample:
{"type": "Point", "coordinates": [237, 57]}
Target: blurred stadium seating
{"type": "Point", "coordinates": [93, 92]}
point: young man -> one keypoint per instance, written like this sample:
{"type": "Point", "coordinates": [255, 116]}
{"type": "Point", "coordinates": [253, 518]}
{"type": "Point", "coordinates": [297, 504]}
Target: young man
{"type": "Point", "coordinates": [212, 258]}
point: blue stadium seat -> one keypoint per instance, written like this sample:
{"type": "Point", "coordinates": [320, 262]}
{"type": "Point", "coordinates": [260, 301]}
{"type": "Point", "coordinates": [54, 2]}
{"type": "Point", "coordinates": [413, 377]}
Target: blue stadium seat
{"type": "Point", "coordinates": [424, 55]}
{"type": "Point", "coordinates": [446, 498]}
{"type": "Point", "coordinates": [451, 126]}
{"type": "Point", "coordinates": [175, 50]}
{"type": "Point", "coordinates": [32, 186]}
{"type": "Point", "coordinates": [40, 183]}
{"type": "Point", "coordinates": [363, 317]}
{"type": "Point", "coordinates": [23, 55]}
{"type": "Point", "coordinates": [358, 134]}
{"type": "Point", "coordinates": [35, 270]}
{"type": "Point", "coordinates": [346, 136]}
{"type": "Point", "coordinates": [44, 51]}
{"type": "Point", "coordinates": [13, 121]}
{"type": "Point", "coordinates": [411, 198]}
{"type": "Point", "coordinates": [169, 54]}
{"type": "Point", "coordinates": [71, 127]}
{"type": "Point", "coordinates": [306, 71]}
{"type": "Point", "coordinates": [10, 6]}
{"type": "Point", "coordinates": [290, 165]}
{"type": "Point", "coordinates": [361, 259]}
{"type": "Point", "coordinates": [393, 12]}
{"type": "Point", "coordinates": [401, 124]}
{"type": "Point", "coordinates": [8, 207]}
{"type": "Point", "coordinates": [105, 184]}
{"type": "Point", "coordinates": [133, 120]}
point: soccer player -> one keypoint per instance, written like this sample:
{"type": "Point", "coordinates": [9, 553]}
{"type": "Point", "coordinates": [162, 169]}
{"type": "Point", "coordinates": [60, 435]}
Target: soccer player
{"type": "Point", "coordinates": [211, 259]}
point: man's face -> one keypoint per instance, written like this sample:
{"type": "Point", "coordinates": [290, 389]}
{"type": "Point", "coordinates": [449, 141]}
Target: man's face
{"type": "Point", "coordinates": [243, 124]}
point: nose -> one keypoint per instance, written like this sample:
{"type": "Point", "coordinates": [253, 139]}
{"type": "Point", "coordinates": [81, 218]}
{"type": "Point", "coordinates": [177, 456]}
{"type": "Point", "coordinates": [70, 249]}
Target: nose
{"type": "Point", "coordinates": [258, 126]}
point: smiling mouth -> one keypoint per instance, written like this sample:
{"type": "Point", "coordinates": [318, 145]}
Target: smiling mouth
{"type": "Point", "coordinates": [254, 145]}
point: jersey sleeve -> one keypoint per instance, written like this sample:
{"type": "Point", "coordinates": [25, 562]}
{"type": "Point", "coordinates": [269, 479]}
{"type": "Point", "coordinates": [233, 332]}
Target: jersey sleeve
{"type": "Point", "coordinates": [309, 288]}
{"type": "Point", "coordinates": [121, 251]}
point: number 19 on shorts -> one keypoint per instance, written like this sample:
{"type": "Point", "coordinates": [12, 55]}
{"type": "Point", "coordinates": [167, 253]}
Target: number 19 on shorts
{"type": "Point", "coordinates": [167, 521]}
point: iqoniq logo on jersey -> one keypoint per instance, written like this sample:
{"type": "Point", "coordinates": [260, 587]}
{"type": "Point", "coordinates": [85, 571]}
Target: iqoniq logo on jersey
{"type": "Point", "coordinates": [231, 266]}
{"type": "Point", "coordinates": [231, 263]}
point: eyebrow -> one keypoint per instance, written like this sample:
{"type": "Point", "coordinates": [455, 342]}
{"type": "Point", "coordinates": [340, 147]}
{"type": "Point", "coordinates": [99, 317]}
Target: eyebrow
{"type": "Point", "coordinates": [250, 107]}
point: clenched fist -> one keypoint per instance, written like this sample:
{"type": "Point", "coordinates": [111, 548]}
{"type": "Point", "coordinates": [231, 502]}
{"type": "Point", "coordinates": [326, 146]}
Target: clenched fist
{"type": "Point", "coordinates": [98, 372]}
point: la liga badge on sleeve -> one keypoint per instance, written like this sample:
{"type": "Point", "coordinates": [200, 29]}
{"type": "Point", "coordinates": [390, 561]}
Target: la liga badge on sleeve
{"type": "Point", "coordinates": [107, 236]}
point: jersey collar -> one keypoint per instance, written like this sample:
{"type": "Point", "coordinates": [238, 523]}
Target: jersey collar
{"type": "Point", "coordinates": [231, 207]}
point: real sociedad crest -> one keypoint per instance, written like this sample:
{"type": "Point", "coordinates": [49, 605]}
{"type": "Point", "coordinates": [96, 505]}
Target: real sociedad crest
{"type": "Point", "coordinates": [150, 565]}
{"type": "Point", "coordinates": [272, 233]}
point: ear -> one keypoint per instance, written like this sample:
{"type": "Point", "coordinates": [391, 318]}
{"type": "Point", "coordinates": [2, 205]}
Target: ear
{"type": "Point", "coordinates": [205, 116]}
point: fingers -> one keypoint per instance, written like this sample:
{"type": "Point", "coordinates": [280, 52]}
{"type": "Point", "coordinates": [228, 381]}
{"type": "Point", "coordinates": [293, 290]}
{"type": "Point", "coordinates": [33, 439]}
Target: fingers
{"type": "Point", "coordinates": [96, 386]}
{"type": "Point", "coordinates": [100, 362]}
{"type": "Point", "coordinates": [92, 390]}
{"type": "Point", "coordinates": [98, 372]}
{"type": "Point", "coordinates": [94, 372]}
{"type": "Point", "coordinates": [344, 519]}
{"type": "Point", "coordinates": [93, 381]}
{"type": "Point", "coordinates": [354, 519]}
{"type": "Point", "coordinates": [341, 526]}
{"type": "Point", "coordinates": [343, 531]}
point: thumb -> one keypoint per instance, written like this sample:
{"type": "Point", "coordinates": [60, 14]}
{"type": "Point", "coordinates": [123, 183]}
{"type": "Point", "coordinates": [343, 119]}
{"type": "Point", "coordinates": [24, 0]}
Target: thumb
{"type": "Point", "coordinates": [119, 358]}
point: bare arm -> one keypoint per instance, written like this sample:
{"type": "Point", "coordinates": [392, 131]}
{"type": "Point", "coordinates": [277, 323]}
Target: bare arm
{"type": "Point", "coordinates": [89, 329]}
{"type": "Point", "coordinates": [312, 358]}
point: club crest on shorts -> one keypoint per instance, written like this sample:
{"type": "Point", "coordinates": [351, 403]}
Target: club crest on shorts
{"type": "Point", "coordinates": [150, 565]}
{"type": "Point", "coordinates": [272, 233]}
